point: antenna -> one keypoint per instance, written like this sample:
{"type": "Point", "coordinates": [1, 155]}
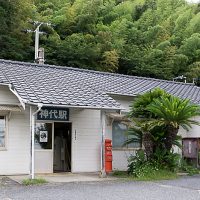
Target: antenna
{"type": "Point", "coordinates": [39, 52]}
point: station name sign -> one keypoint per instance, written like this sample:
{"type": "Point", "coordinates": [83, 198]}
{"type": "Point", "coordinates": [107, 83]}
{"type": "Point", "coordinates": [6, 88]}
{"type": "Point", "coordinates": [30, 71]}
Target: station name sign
{"type": "Point", "coordinates": [53, 113]}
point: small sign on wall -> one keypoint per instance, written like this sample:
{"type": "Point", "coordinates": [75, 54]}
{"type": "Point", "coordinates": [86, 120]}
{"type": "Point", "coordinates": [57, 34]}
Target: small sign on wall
{"type": "Point", "coordinates": [43, 136]}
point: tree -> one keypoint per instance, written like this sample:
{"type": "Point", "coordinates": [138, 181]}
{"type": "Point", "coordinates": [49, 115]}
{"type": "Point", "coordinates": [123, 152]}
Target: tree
{"type": "Point", "coordinates": [14, 16]}
{"type": "Point", "coordinates": [150, 134]}
{"type": "Point", "coordinates": [172, 113]}
{"type": "Point", "coordinates": [157, 116]}
{"type": "Point", "coordinates": [151, 38]}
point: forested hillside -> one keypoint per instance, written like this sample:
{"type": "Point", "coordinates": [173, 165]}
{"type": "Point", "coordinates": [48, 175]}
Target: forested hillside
{"type": "Point", "coordinates": [152, 38]}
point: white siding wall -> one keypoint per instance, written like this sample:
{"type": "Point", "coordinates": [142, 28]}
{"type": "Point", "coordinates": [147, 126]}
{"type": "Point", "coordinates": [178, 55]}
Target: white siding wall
{"type": "Point", "coordinates": [7, 97]}
{"type": "Point", "coordinates": [125, 101]}
{"type": "Point", "coordinates": [16, 158]}
{"type": "Point", "coordinates": [120, 156]}
{"type": "Point", "coordinates": [86, 140]}
{"type": "Point", "coordinates": [192, 133]}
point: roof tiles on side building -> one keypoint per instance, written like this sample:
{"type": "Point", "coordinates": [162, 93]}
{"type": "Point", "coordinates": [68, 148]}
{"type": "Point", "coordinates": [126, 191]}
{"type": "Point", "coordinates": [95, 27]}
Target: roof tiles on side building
{"type": "Point", "coordinates": [57, 85]}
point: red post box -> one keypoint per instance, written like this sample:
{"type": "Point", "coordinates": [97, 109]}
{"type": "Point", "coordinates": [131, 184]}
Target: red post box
{"type": "Point", "coordinates": [108, 155]}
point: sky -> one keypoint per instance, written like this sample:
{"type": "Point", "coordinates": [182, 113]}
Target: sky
{"type": "Point", "coordinates": [193, 1]}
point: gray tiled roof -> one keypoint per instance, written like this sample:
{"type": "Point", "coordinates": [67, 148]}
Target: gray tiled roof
{"type": "Point", "coordinates": [77, 87]}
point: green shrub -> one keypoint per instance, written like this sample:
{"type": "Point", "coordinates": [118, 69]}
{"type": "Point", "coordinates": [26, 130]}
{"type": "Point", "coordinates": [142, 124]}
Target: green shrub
{"type": "Point", "coordinates": [167, 160]}
{"type": "Point", "coordinates": [135, 162]}
{"type": "Point", "coordinates": [185, 167]}
{"type": "Point", "coordinates": [162, 163]}
{"type": "Point", "coordinates": [139, 167]}
{"type": "Point", "coordinates": [120, 174]}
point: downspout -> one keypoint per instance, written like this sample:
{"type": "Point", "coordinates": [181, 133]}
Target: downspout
{"type": "Point", "coordinates": [33, 139]}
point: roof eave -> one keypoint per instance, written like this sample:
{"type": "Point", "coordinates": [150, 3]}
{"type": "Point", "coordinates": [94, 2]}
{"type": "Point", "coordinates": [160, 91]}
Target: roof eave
{"type": "Point", "coordinates": [21, 100]}
{"type": "Point", "coordinates": [74, 106]}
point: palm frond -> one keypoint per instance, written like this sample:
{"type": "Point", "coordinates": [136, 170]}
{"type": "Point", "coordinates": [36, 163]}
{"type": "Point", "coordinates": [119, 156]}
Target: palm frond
{"type": "Point", "coordinates": [134, 135]}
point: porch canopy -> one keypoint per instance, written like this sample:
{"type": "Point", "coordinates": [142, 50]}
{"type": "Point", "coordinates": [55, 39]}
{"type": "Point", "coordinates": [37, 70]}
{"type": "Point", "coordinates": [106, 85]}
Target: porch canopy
{"type": "Point", "coordinates": [10, 108]}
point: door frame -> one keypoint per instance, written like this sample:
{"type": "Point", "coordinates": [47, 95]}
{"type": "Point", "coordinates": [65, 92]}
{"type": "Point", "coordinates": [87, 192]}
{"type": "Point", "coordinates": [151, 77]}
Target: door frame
{"type": "Point", "coordinates": [67, 122]}
{"type": "Point", "coordinates": [52, 150]}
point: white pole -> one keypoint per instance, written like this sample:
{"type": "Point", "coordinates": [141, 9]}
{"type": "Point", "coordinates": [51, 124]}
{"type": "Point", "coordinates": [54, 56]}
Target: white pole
{"type": "Point", "coordinates": [33, 148]}
{"type": "Point", "coordinates": [36, 42]}
{"type": "Point", "coordinates": [103, 173]}
{"type": "Point", "coordinates": [33, 141]}
{"type": "Point", "coordinates": [30, 140]}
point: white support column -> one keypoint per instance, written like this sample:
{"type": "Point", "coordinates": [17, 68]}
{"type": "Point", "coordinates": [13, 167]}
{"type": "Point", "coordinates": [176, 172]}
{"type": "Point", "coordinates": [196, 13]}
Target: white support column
{"type": "Point", "coordinates": [30, 110]}
{"type": "Point", "coordinates": [33, 147]}
{"type": "Point", "coordinates": [33, 140]}
{"type": "Point", "coordinates": [103, 173]}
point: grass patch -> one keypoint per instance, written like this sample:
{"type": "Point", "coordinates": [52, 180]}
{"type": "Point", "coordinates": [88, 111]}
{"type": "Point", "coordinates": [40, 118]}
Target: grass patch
{"type": "Point", "coordinates": [158, 175]}
{"type": "Point", "coordinates": [120, 174]}
{"type": "Point", "coordinates": [36, 181]}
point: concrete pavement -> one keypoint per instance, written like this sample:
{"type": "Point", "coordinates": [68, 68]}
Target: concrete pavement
{"type": "Point", "coordinates": [65, 177]}
{"type": "Point", "coordinates": [184, 188]}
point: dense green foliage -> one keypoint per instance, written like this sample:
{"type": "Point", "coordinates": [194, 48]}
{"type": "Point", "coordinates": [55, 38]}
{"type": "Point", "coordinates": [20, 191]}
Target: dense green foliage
{"type": "Point", "coordinates": [164, 166]}
{"type": "Point", "coordinates": [154, 38]}
{"type": "Point", "coordinates": [140, 167]}
{"type": "Point", "coordinates": [156, 117]}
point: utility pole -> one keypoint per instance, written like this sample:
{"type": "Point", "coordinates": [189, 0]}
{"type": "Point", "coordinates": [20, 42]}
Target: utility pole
{"type": "Point", "coordinates": [39, 52]}
{"type": "Point", "coordinates": [180, 78]}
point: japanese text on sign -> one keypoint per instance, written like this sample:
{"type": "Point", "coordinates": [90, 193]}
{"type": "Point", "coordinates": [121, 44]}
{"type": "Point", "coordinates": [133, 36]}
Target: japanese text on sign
{"type": "Point", "coordinates": [49, 113]}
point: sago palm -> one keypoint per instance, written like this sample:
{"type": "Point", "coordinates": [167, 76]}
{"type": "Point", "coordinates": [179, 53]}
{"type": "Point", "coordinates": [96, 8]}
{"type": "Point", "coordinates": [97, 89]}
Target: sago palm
{"type": "Point", "coordinates": [140, 133]}
{"type": "Point", "coordinates": [173, 112]}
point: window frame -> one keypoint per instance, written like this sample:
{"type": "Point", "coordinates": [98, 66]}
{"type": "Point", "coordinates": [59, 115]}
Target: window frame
{"type": "Point", "coordinates": [124, 148]}
{"type": "Point", "coordinates": [52, 134]}
{"type": "Point", "coordinates": [6, 132]}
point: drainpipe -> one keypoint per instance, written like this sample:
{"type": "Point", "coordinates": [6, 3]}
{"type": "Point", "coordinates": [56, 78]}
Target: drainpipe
{"type": "Point", "coordinates": [33, 140]}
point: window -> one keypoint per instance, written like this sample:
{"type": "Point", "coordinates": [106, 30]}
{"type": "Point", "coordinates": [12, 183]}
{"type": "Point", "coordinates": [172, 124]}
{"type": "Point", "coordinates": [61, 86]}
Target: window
{"type": "Point", "coordinates": [119, 136]}
{"type": "Point", "coordinates": [43, 136]}
{"type": "Point", "coordinates": [2, 132]}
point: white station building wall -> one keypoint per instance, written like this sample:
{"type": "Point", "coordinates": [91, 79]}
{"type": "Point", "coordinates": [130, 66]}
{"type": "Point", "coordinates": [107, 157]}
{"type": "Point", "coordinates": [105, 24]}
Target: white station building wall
{"type": "Point", "coordinates": [120, 155]}
{"type": "Point", "coordinates": [86, 140]}
{"type": "Point", "coordinates": [15, 159]}
{"type": "Point", "coordinates": [192, 133]}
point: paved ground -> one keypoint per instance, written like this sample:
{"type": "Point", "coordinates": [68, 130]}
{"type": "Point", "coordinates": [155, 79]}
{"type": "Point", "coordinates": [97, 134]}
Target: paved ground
{"type": "Point", "coordinates": [185, 188]}
{"type": "Point", "coordinates": [65, 177]}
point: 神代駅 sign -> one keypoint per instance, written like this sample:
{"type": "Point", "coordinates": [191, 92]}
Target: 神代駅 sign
{"type": "Point", "coordinates": [53, 113]}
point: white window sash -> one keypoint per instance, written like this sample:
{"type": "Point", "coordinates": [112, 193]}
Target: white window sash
{"type": "Point", "coordinates": [5, 133]}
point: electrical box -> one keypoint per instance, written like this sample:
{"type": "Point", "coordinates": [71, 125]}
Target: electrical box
{"type": "Point", "coordinates": [191, 150]}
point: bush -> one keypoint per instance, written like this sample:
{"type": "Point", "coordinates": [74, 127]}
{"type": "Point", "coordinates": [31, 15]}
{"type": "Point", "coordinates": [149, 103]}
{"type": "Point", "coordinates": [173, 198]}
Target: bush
{"type": "Point", "coordinates": [185, 167]}
{"type": "Point", "coordinates": [162, 160]}
{"type": "Point", "coordinates": [167, 160]}
{"type": "Point", "coordinates": [163, 165]}
{"type": "Point", "coordinates": [139, 167]}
